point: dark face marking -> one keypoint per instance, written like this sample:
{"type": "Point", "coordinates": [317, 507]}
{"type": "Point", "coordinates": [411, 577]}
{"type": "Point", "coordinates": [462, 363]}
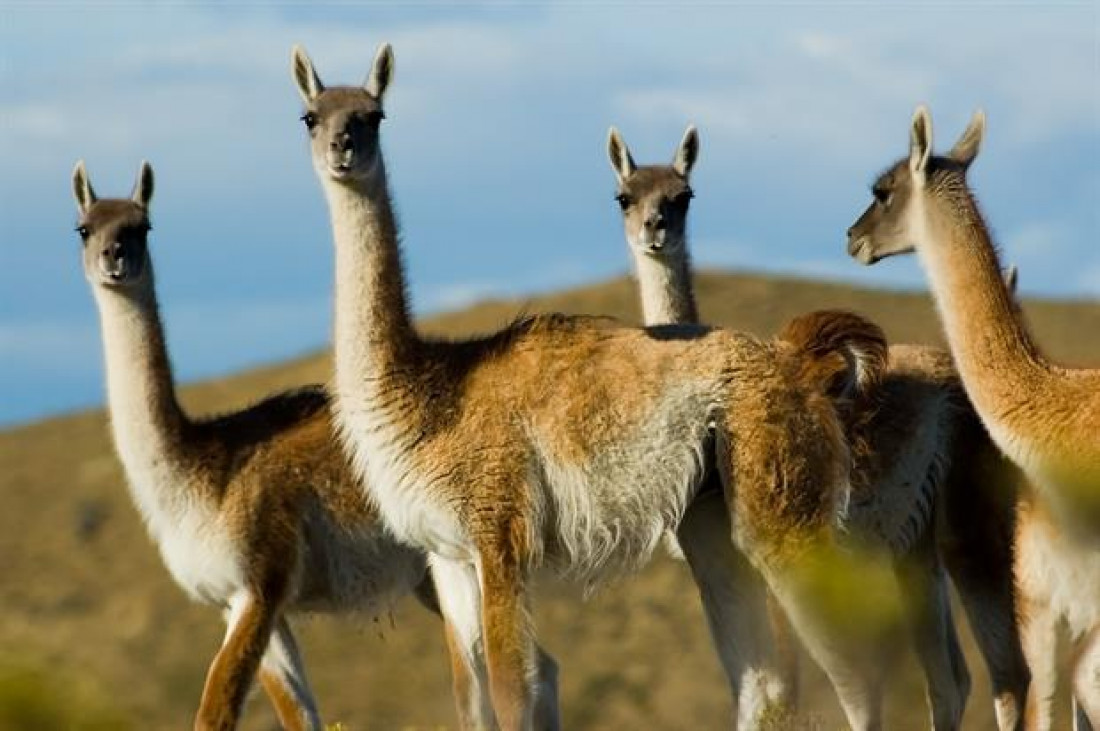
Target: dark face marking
{"type": "Point", "coordinates": [114, 236]}
{"type": "Point", "coordinates": [343, 125]}
{"type": "Point", "coordinates": [654, 202]}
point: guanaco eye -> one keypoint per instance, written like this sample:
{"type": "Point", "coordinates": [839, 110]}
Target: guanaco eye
{"type": "Point", "coordinates": [882, 195]}
{"type": "Point", "coordinates": [310, 120]}
{"type": "Point", "coordinates": [624, 201]}
{"type": "Point", "coordinates": [83, 231]}
{"type": "Point", "coordinates": [683, 199]}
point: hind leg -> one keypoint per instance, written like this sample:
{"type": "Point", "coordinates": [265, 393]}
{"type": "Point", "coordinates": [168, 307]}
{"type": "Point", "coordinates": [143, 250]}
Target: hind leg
{"type": "Point", "coordinates": [1038, 632]}
{"type": "Point", "coordinates": [1086, 683]}
{"type": "Point", "coordinates": [927, 610]}
{"type": "Point", "coordinates": [250, 621]}
{"type": "Point", "coordinates": [734, 601]}
{"type": "Point", "coordinates": [848, 634]}
{"type": "Point", "coordinates": [1081, 721]}
{"type": "Point", "coordinates": [858, 685]}
{"type": "Point", "coordinates": [468, 672]}
{"type": "Point", "coordinates": [460, 603]}
{"type": "Point", "coordinates": [990, 605]}
{"type": "Point", "coordinates": [977, 539]}
{"type": "Point", "coordinates": [283, 677]}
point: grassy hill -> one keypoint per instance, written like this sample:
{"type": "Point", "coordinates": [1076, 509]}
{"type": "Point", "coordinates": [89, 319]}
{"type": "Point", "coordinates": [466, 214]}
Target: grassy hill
{"type": "Point", "coordinates": [94, 635]}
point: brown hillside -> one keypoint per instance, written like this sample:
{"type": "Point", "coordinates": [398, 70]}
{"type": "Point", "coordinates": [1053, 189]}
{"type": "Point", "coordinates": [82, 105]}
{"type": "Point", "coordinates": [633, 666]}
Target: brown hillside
{"type": "Point", "coordinates": [94, 635]}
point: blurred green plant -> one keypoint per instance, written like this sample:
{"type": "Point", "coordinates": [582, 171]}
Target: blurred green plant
{"type": "Point", "coordinates": [779, 718]}
{"type": "Point", "coordinates": [35, 698]}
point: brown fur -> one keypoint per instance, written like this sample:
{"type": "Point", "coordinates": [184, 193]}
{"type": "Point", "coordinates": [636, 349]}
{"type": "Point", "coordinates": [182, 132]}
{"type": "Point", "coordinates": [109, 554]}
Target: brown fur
{"type": "Point", "coordinates": [231, 673]}
{"type": "Point", "coordinates": [277, 481]}
{"type": "Point", "coordinates": [1043, 417]}
{"type": "Point", "coordinates": [754, 640]}
{"type": "Point", "coordinates": [283, 701]}
{"type": "Point", "coordinates": [826, 339]}
{"type": "Point", "coordinates": [975, 537]}
{"type": "Point", "coordinates": [515, 434]}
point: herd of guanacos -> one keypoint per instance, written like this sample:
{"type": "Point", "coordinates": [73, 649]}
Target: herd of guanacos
{"type": "Point", "coordinates": [821, 485]}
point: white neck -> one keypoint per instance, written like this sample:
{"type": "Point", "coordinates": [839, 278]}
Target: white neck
{"type": "Point", "coordinates": [146, 420]}
{"type": "Point", "coordinates": [666, 288]}
{"type": "Point", "coordinates": [374, 338]}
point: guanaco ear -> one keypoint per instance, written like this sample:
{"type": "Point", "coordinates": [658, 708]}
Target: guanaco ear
{"type": "Point", "coordinates": [143, 187]}
{"type": "Point", "coordinates": [1012, 279]}
{"type": "Point", "coordinates": [920, 141]}
{"type": "Point", "coordinates": [381, 73]}
{"type": "Point", "coordinates": [309, 84]}
{"type": "Point", "coordinates": [687, 153]}
{"type": "Point", "coordinates": [621, 161]}
{"type": "Point", "coordinates": [82, 188]}
{"type": "Point", "coordinates": [966, 149]}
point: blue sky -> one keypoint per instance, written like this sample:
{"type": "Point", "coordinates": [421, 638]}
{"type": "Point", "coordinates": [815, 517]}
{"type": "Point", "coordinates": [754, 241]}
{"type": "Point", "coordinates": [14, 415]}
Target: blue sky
{"type": "Point", "coordinates": [495, 139]}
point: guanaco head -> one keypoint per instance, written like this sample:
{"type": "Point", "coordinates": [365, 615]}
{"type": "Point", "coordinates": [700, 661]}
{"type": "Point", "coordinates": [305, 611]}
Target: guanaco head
{"type": "Point", "coordinates": [343, 121]}
{"type": "Point", "coordinates": [115, 232]}
{"type": "Point", "coordinates": [654, 198]}
{"type": "Point", "coordinates": [894, 221]}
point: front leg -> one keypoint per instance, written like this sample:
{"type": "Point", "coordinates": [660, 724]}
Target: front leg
{"type": "Point", "coordinates": [1086, 683]}
{"type": "Point", "coordinates": [250, 621]}
{"type": "Point", "coordinates": [927, 611]}
{"type": "Point", "coordinates": [509, 645]}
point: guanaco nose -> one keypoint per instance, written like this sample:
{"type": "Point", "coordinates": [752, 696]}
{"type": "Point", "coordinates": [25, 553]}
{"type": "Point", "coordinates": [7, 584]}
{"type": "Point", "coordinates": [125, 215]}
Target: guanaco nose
{"type": "Point", "coordinates": [342, 142]}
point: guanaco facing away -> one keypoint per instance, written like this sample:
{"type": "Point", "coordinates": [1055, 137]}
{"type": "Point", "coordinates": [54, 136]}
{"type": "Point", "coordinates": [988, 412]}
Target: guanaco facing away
{"type": "Point", "coordinates": [256, 512]}
{"type": "Point", "coordinates": [921, 450]}
{"type": "Point", "coordinates": [1045, 418]}
{"type": "Point", "coordinates": [569, 442]}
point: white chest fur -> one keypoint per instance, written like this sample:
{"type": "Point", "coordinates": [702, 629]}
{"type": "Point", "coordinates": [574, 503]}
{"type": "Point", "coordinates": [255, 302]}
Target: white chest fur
{"type": "Point", "coordinates": [407, 504]}
{"type": "Point", "coordinates": [1055, 564]}
{"type": "Point", "coordinates": [200, 558]}
{"type": "Point", "coordinates": [192, 538]}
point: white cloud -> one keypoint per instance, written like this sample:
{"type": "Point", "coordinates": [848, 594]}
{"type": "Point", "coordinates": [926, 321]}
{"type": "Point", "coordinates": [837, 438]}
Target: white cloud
{"type": "Point", "coordinates": [497, 123]}
{"type": "Point", "coordinates": [845, 87]}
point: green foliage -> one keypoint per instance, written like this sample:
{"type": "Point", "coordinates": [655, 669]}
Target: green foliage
{"type": "Point", "coordinates": [31, 698]}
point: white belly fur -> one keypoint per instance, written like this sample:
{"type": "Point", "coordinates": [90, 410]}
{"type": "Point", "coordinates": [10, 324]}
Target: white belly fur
{"type": "Point", "coordinates": [1055, 565]}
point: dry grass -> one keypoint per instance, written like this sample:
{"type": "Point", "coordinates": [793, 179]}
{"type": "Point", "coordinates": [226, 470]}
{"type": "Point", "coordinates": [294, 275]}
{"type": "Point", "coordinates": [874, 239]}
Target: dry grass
{"type": "Point", "coordinates": [83, 596]}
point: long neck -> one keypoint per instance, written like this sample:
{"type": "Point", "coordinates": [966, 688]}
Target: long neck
{"type": "Point", "coordinates": [666, 289]}
{"type": "Point", "coordinates": [146, 419]}
{"type": "Point", "coordinates": [374, 336]}
{"type": "Point", "coordinates": [994, 354]}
